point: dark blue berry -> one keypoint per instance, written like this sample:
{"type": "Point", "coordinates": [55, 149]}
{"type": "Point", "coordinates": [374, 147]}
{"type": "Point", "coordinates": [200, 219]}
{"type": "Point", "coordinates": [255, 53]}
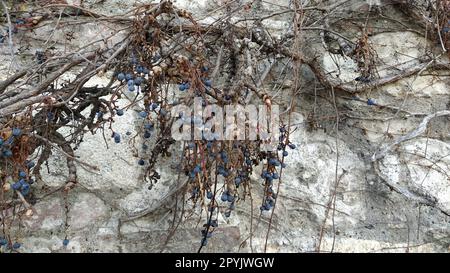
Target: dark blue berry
{"type": "Point", "coordinates": [65, 242]}
{"type": "Point", "coordinates": [9, 141]}
{"type": "Point", "coordinates": [7, 153]}
{"type": "Point", "coordinates": [16, 245]}
{"type": "Point", "coordinates": [230, 198]}
{"type": "Point", "coordinates": [121, 76]}
{"type": "Point", "coordinates": [148, 126]}
{"type": "Point", "coordinates": [22, 174]}
{"type": "Point", "coordinates": [371, 102]}
{"type": "Point", "coordinates": [116, 137]}
{"type": "Point", "coordinates": [143, 114]}
{"type": "Point", "coordinates": [16, 132]}
{"type": "Point", "coordinates": [25, 191]}
{"type": "Point", "coordinates": [292, 145]}
{"type": "Point", "coordinates": [214, 223]}
{"type": "Point", "coordinates": [131, 88]}
{"type": "Point", "coordinates": [138, 81]}
{"type": "Point", "coordinates": [182, 87]}
{"type": "Point", "coordinates": [119, 112]}
{"type": "Point", "coordinates": [285, 153]}
{"type": "Point", "coordinates": [209, 195]}
{"type": "Point", "coordinates": [128, 77]}
{"type": "Point", "coordinates": [264, 174]}
{"type": "Point", "coordinates": [197, 169]}
{"type": "Point", "coordinates": [224, 197]}
{"type": "Point", "coordinates": [30, 164]}
{"type": "Point", "coordinates": [147, 134]}
{"type": "Point", "coordinates": [16, 186]}
{"type": "Point", "coordinates": [362, 79]}
{"type": "Point", "coordinates": [237, 181]}
{"type": "Point", "coordinates": [208, 83]}
{"type": "Point", "coordinates": [141, 162]}
{"type": "Point", "coordinates": [274, 162]}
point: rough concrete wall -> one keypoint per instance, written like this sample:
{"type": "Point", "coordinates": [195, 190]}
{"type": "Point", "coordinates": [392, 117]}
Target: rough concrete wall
{"type": "Point", "coordinates": [112, 210]}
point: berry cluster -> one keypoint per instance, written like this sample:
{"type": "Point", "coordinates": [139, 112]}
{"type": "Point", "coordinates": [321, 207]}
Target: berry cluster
{"type": "Point", "coordinates": [7, 144]}
{"type": "Point", "coordinates": [135, 79]}
{"type": "Point", "coordinates": [24, 182]}
{"type": "Point", "coordinates": [270, 174]}
{"type": "Point", "coordinates": [212, 162]}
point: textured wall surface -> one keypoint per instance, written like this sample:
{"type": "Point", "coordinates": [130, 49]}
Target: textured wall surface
{"type": "Point", "coordinates": [112, 210]}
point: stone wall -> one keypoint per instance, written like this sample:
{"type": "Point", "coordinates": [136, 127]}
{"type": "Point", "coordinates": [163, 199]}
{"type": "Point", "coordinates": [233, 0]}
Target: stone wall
{"type": "Point", "coordinates": [113, 210]}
